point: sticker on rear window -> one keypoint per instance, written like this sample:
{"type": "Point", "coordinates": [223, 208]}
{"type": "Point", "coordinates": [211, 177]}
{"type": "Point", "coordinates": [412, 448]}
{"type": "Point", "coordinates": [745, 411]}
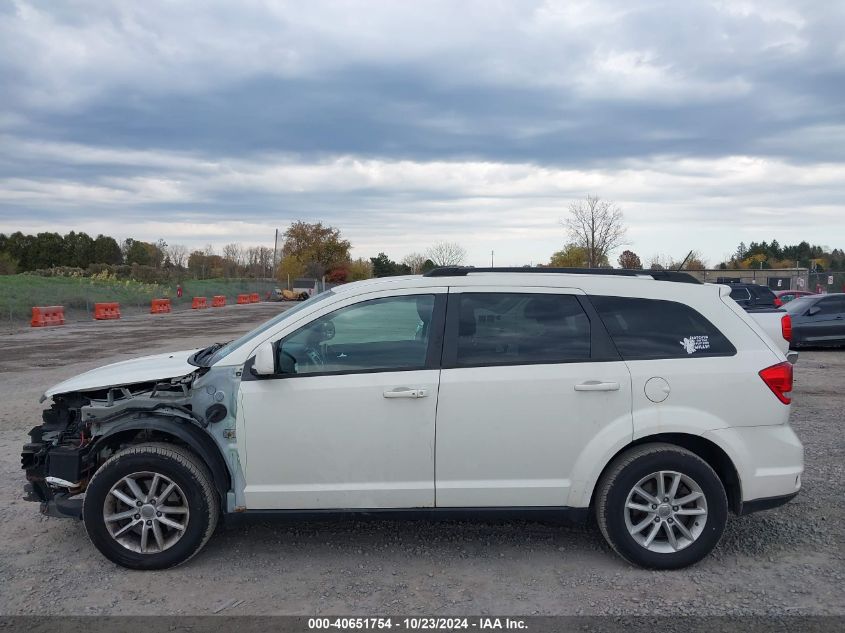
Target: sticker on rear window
{"type": "Point", "coordinates": [694, 343]}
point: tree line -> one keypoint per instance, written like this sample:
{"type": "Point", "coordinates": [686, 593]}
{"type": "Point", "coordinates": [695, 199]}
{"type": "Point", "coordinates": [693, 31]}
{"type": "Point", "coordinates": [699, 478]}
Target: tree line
{"type": "Point", "coordinates": [310, 250]}
{"type": "Point", "coordinates": [150, 261]}
{"type": "Point", "coordinates": [594, 227]}
{"type": "Point", "coordinates": [773, 255]}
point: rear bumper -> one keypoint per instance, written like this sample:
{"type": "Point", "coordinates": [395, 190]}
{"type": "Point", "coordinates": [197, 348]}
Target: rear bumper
{"type": "Point", "coordinates": [765, 504]}
{"type": "Point", "coordinates": [768, 459]}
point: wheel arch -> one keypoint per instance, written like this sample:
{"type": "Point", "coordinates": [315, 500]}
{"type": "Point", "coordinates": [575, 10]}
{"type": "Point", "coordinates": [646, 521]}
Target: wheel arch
{"type": "Point", "coordinates": [707, 450]}
{"type": "Point", "coordinates": [136, 431]}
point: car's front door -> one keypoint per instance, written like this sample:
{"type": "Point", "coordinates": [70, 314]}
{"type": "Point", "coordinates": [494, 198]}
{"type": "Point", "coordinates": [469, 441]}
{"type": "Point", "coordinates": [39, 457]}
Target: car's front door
{"type": "Point", "coordinates": [348, 421]}
{"type": "Point", "coordinates": [826, 325]}
{"type": "Point", "coordinates": [529, 382]}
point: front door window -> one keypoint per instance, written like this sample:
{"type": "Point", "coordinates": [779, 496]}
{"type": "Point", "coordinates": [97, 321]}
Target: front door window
{"type": "Point", "coordinates": [378, 335]}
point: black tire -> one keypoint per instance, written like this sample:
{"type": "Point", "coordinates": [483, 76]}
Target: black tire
{"type": "Point", "coordinates": [181, 467]}
{"type": "Point", "coordinates": [630, 468]}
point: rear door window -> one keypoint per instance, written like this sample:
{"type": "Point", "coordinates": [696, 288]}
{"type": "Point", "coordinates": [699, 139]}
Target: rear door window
{"type": "Point", "coordinates": [652, 328]}
{"type": "Point", "coordinates": [518, 328]}
{"type": "Point", "coordinates": [740, 294]}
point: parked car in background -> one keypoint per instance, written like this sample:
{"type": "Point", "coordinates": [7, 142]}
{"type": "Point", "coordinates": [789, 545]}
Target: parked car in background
{"type": "Point", "coordinates": [754, 296]}
{"type": "Point", "coordinates": [818, 320]}
{"type": "Point", "coordinates": [786, 296]}
{"type": "Point", "coordinates": [777, 324]}
{"type": "Point", "coordinates": [765, 309]}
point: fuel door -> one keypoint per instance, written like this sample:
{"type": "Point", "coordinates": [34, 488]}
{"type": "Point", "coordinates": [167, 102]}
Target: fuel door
{"type": "Point", "coordinates": [657, 389]}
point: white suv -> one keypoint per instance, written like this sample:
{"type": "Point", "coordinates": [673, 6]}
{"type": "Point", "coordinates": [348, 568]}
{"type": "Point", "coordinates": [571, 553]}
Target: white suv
{"type": "Point", "coordinates": [648, 399]}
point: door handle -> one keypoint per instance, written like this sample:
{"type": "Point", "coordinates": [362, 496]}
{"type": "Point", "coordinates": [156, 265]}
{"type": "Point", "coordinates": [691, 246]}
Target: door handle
{"type": "Point", "coordinates": [597, 385]}
{"type": "Point", "coordinates": [405, 392]}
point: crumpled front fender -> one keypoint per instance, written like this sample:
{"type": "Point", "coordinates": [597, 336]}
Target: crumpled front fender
{"type": "Point", "coordinates": [188, 433]}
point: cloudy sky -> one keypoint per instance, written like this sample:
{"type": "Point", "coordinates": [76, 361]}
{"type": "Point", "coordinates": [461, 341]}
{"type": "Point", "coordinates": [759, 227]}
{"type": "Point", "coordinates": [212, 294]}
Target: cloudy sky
{"type": "Point", "coordinates": [406, 123]}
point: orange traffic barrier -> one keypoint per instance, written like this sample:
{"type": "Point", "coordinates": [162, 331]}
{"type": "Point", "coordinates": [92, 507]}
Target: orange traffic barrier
{"type": "Point", "coordinates": [254, 298]}
{"type": "Point", "coordinates": [160, 306]}
{"type": "Point", "coordinates": [106, 311]}
{"type": "Point", "coordinates": [199, 303]}
{"type": "Point", "coordinates": [218, 301]}
{"type": "Point", "coordinates": [243, 299]}
{"type": "Point", "coordinates": [47, 315]}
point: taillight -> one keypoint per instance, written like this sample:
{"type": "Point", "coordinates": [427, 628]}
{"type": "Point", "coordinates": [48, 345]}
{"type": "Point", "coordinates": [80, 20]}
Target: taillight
{"type": "Point", "coordinates": [778, 302]}
{"type": "Point", "coordinates": [779, 379]}
{"type": "Point", "coordinates": [786, 327]}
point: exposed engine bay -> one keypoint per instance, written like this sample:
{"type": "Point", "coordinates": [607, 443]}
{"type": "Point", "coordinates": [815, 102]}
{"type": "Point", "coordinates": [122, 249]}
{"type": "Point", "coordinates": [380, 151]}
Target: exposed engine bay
{"type": "Point", "coordinates": [82, 429]}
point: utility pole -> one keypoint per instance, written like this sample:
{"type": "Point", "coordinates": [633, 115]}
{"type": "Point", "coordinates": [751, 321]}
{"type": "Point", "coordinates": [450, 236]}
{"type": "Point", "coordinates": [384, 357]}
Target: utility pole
{"type": "Point", "coordinates": [491, 259]}
{"type": "Point", "coordinates": [275, 251]}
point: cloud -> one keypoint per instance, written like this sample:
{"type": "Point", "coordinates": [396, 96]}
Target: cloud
{"type": "Point", "coordinates": [402, 205]}
{"type": "Point", "coordinates": [404, 122]}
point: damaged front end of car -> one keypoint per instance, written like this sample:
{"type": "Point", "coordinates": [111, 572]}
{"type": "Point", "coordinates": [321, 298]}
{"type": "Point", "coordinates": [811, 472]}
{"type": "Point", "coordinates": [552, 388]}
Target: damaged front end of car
{"type": "Point", "coordinates": [82, 429]}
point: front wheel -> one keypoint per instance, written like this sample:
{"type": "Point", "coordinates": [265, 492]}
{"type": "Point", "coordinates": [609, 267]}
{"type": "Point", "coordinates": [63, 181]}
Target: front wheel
{"type": "Point", "coordinates": [150, 506]}
{"type": "Point", "coordinates": [661, 506]}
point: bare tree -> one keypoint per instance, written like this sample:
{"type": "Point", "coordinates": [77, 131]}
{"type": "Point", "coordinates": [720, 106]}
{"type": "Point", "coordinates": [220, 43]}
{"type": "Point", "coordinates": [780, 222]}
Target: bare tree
{"type": "Point", "coordinates": [447, 254]}
{"type": "Point", "coordinates": [234, 253]}
{"type": "Point", "coordinates": [233, 257]}
{"type": "Point", "coordinates": [415, 262]}
{"type": "Point", "coordinates": [251, 256]}
{"type": "Point", "coordinates": [178, 254]}
{"type": "Point", "coordinates": [596, 226]}
{"type": "Point", "coordinates": [265, 261]}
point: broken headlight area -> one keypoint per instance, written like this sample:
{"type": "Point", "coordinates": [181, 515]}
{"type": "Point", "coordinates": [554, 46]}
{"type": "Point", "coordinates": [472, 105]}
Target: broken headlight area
{"type": "Point", "coordinates": [66, 449]}
{"type": "Point", "coordinates": [54, 458]}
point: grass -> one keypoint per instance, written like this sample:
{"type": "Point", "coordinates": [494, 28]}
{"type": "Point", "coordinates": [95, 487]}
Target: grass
{"type": "Point", "coordinates": [19, 293]}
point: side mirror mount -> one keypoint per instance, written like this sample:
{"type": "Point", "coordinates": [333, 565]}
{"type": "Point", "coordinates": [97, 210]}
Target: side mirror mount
{"type": "Point", "coordinates": [814, 310]}
{"type": "Point", "coordinates": [265, 361]}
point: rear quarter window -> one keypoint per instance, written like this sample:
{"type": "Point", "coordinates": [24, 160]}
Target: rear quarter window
{"type": "Point", "coordinates": [740, 294]}
{"type": "Point", "coordinates": [653, 328]}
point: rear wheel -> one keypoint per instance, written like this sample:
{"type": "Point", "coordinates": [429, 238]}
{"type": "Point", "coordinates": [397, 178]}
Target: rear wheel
{"type": "Point", "coordinates": [150, 506]}
{"type": "Point", "coordinates": [661, 506]}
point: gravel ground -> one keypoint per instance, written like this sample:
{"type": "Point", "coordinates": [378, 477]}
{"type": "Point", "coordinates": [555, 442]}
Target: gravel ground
{"type": "Point", "coordinates": [786, 561]}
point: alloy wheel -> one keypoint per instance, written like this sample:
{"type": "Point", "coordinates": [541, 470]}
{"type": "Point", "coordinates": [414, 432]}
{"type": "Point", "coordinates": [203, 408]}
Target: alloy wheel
{"type": "Point", "coordinates": [665, 511]}
{"type": "Point", "coordinates": [146, 512]}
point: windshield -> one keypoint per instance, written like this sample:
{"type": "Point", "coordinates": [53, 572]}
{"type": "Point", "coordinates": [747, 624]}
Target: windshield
{"type": "Point", "coordinates": [799, 305]}
{"type": "Point", "coordinates": [231, 346]}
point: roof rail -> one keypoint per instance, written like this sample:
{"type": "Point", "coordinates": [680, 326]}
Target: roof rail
{"type": "Point", "coordinates": [657, 275]}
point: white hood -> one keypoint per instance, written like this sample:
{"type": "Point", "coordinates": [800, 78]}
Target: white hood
{"type": "Point", "coordinates": [127, 372]}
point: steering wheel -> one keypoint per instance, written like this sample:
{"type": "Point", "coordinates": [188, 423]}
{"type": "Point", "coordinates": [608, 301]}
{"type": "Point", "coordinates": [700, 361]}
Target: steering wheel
{"type": "Point", "coordinates": [314, 356]}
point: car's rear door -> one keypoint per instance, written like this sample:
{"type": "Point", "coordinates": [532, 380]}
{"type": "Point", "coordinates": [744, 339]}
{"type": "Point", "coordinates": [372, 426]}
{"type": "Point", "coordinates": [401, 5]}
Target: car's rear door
{"type": "Point", "coordinates": [529, 382]}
